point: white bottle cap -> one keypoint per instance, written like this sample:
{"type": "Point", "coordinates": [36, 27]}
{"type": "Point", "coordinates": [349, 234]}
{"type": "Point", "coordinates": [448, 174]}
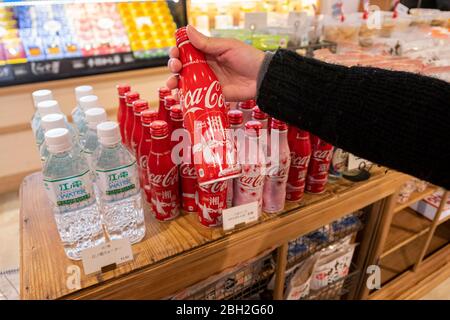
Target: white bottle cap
{"type": "Point", "coordinates": [53, 121]}
{"type": "Point", "coordinates": [58, 140]}
{"type": "Point", "coordinates": [95, 116]}
{"type": "Point", "coordinates": [48, 107]}
{"type": "Point", "coordinates": [83, 91]}
{"type": "Point", "coordinates": [41, 95]}
{"type": "Point", "coordinates": [88, 102]}
{"type": "Point", "coordinates": [108, 133]}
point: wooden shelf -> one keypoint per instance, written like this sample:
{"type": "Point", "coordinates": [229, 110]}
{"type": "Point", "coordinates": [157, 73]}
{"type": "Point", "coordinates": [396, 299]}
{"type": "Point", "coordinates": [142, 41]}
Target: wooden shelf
{"type": "Point", "coordinates": [415, 196]}
{"type": "Point", "coordinates": [407, 225]}
{"type": "Point", "coordinates": [171, 251]}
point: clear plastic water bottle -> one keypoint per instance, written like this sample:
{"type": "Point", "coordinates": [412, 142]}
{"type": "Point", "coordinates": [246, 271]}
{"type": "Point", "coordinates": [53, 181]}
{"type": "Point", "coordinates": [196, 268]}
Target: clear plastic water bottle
{"type": "Point", "coordinates": [53, 121]}
{"type": "Point", "coordinates": [86, 103]}
{"type": "Point", "coordinates": [78, 116]}
{"type": "Point", "coordinates": [44, 108]}
{"type": "Point", "coordinates": [89, 142]}
{"type": "Point", "coordinates": [118, 183]}
{"type": "Point", "coordinates": [69, 187]}
{"type": "Point", "coordinates": [38, 96]}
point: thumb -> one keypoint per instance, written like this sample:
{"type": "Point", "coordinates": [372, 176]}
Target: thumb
{"type": "Point", "coordinates": [214, 46]}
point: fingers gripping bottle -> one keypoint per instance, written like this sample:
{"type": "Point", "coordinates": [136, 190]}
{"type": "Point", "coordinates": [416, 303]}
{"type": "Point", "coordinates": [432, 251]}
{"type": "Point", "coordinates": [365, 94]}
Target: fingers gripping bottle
{"type": "Point", "coordinates": [277, 173]}
{"type": "Point", "coordinates": [68, 184]}
{"type": "Point", "coordinates": [147, 117]}
{"type": "Point", "coordinates": [162, 174]}
{"type": "Point", "coordinates": [300, 147]}
{"type": "Point", "coordinates": [118, 184]}
{"type": "Point", "coordinates": [203, 106]}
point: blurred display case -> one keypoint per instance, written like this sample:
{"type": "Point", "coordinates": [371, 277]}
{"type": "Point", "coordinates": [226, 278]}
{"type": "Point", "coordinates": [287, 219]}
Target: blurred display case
{"type": "Point", "coordinates": [46, 40]}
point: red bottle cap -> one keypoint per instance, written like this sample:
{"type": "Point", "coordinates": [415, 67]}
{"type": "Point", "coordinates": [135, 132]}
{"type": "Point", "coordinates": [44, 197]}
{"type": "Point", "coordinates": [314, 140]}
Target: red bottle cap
{"type": "Point", "coordinates": [122, 89]}
{"type": "Point", "coordinates": [140, 105]}
{"type": "Point", "coordinates": [235, 117]}
{"type": "Point", "coordinates": [279, 125]}
{"type": "Point", "coordinates": [148, 116]}
{"type": "Point", "coordinates": [176, 114]}
{"type": "Point", "coordinates": [249, 104]}
{"type": "Point", "coordinates": [159, 128]}
{"type": "Point", "coordinates": [163, 91]}
{"type": "Point", "coordinates": [181, 35]}
{"type": "Point", "coordinates": [131, 96]}
{"type": "Point", "coordinates": [253, 128]}
{"type": "Point", "coordinates": [169, 101]}
{"type": "Point", "coordinates": [258, 114]}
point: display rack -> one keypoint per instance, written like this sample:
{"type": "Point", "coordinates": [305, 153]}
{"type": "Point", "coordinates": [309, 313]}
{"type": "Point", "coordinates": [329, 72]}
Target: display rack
{"type": "Point", "coordinates": [178, 254]}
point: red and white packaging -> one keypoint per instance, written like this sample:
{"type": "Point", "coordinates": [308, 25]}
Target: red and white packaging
{"type": "Point", "coordinates": [122, 109]}
{"type": "Point", "coordinates": [143, 150]}
{"type": "Point", "coordinates": [130, 97]}
{"type": "Point", "coordinates": [317, 176]}
{"type": "Point", "coordinates": [428, 206]}
{"type": "Point", "coordinates": [300, 147]}
{"type": "Point", "coordinates": [215, 157]}
{"type": "Point", "coordinates": [162, 112]}
{"type": "Point", "coordinates": [211, 201]}
{"type": "Point", "coordinates": [274, 194]}
{"type": "Point", "coordinates": [249, 186]}
{"type": "Point", "coordinates": [162, 174]}
{"type": "Point", "coordinates": [247, 109]}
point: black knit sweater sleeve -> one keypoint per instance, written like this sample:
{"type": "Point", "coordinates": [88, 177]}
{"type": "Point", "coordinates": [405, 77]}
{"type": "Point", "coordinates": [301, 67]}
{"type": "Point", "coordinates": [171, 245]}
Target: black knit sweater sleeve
{"type": "Point", "coordinates": [397, 119]}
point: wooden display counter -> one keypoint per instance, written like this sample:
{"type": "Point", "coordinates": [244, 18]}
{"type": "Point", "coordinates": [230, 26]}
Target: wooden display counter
{"type": "Point", "coordinates": [177, 254]}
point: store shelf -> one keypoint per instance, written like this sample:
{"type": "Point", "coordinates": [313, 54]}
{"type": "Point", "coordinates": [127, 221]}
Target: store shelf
{"type": "Point", "coordinates": [407, 225]}
{"type": "Point", "coordinates": [172, 250]}
{"type": "Point", "coordinates": [416, 196]}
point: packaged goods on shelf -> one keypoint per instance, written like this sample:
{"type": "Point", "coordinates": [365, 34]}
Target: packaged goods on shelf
{"type": "Point", "coordinates": [428, 206]}
{"type": "Point", "coordinates": [413, 185]}
{"type": "Point", "coordinates": [299, 284]}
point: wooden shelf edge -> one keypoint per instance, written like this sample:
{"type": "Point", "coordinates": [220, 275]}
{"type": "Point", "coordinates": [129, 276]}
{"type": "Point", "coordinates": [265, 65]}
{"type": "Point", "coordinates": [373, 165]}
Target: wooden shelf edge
{"type": "Point", "coordinates": [404, 243]}
{"type": "Point", "coordinates": [416, 196]}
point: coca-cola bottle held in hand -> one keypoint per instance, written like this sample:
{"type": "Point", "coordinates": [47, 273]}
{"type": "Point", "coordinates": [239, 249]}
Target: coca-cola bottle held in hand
{"type": "Point", "coordinates": [143, 150]}
{"type": "Point", "coordinates": [317, 176]}
{"type": "Point", "coordinates": [203, 106]}
{"type": "Point", "coordinates": [122, 109]}
{"type": "Point", "coordinates": [138, 107]}
{"type": "Point", "coordinates": [249, 186]}
{"type": "Point", "coordinates": [277, 173]}
{"type": "Point", "coordinates": [211, 201]}
{"type": "Point", "coordinates": [130, 97]}
{"type": "Point", "coordinates": [162, 114]}
{"type": "Point", "coordinates": [300, 147]}
{"type": "Point", "coordinates": [162, 174]}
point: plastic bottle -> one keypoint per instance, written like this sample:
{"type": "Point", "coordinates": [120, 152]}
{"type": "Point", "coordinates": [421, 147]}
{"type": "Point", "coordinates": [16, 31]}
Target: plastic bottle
{"type": "Point", "coordinates": [68, 184]}
{"type": "Point", "coordinates": [38, 96]}
{"type": "Point", "coordinates": [86, 103]}
{"type": "Point", "coordinates": [89, 142]}
{"type": "Point", "coordinates": [44, 108]}
{"type": "Point", "coordinates": [78, 112]}
{"type": "Point", "coordinates": [118, 184]}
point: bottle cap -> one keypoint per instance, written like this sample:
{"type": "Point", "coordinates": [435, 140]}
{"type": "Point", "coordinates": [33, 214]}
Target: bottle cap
{"type": "Point", "coordinates": [235, 117]}
{"type": "Point", "coordinates": [94, 116]}
{"type": "Point", "coordinates": [41, 95]}
{"type": "Point", "coordinates": [257, 114]}
{"type": "Point", "coordinates": [148, 116]}
{"type": "Point", "coordinates": [181, 35]}
{"type": "Point", "coordinates": [253, 128]}
{"type": "Point", "coordinates": [163, 91]}
{"type": "Point", "coordinates": [130, 97]}
{"type": "Point", "coordinates": [122, 89]}
{"type": "Point", "coordinates": [58, 140]}
{"type": "Point", "coordinates": [139, 106]}
{"type": "Point", "coordinates": [83, 91]}
{"type": "Point", "coordinates": [88, 102]}
{"type": "Point", "coordinates": [176, 114]}
{"type": "Point", "coordinates": [247, 105]}
{"type": "Point", "coordinates": [278, 125]}
{"type": "Point", "coordinates": [53, 121]}
{"type": "Point", "coordinates": [108, 133]}
{"type": "Point", "coordinates": [159, 128]}
{"type": "Point", "coordinates": [169, 101]}
{"type": "Point", "coordinates": [48, 107]}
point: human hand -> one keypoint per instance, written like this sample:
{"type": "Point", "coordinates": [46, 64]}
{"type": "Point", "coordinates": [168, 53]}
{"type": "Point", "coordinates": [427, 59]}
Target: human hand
{"type": "Point", "coordinates": [235, 64]}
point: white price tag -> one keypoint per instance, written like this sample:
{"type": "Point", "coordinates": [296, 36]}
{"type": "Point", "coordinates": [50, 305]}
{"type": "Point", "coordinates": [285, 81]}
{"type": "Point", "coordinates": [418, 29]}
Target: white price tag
{"type": "Point", "coordinates": [245, 213]}
{"type": "Point", "coordinates": [354, 162]}
{"type": "Point", "coordinates": [115, 251]}
{"type": "Point", "coordinates": [255, 20]}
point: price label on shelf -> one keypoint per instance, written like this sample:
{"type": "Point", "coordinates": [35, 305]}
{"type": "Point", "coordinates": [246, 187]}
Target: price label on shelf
{"type": "Point", "coordinates": [242, 214]}
{"type": "Point", "coordinates": [106, 254]}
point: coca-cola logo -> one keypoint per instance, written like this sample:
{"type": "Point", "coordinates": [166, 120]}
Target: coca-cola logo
{"type": "Point", "coordinates": [298, 161]}
{"type": "Point", "coordinates": [213, 97]}
{"type": "Point", "coordinates": [165, 180]}
{"type": "Point", "coordinates": [143, 161]}
{"type": "Point", "coordinates": [324, 155]}
{"type": "Point", "coordinates": [252, 181]}
{"type": "Point", "coordinates": [278, 171]}
{"type": "Point", "coordinates": [215, 187]}
{"type": "Point", "coordinates": [187, 170]}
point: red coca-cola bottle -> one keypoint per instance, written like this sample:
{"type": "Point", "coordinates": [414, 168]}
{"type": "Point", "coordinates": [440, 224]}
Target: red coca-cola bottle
{"type": "Point", "coordinates": [236, 120]}
{"type": "Point", "coordinates": [130, 97]}
{"type": "Point", "coordinates": [260, 116]}
{"type": "Point", "coordinates": [176, 118]}
{"type": "Point", "coordinates": [122, 110]}
{"type": "Point", "coordinates": [169, 101]}
{"type": "Point", "coordinates": [300, 147]}
{"type": "Point", "coordinates": [211, 202]}
{"type": "Point", "coordinates": [317, 176]}
{"type": "Point", "coordinates": [247, 108]}
{"type": "Point", "coordinates": [204, 115]}
{"type": "Point", "coordinates": [138, 107]}
{"type": "Point", "coordinates": [147, 117]}
{"type": "Point", "coordinates": [162, 114]}
{"type": "Point", "coordinates": [162, 174]}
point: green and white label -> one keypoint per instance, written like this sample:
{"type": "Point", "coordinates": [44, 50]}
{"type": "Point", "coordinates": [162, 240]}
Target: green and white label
{"type": "Point", "coordinates": [71, 193]}
{"type": "Point", "coordinates": [119, 183]}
